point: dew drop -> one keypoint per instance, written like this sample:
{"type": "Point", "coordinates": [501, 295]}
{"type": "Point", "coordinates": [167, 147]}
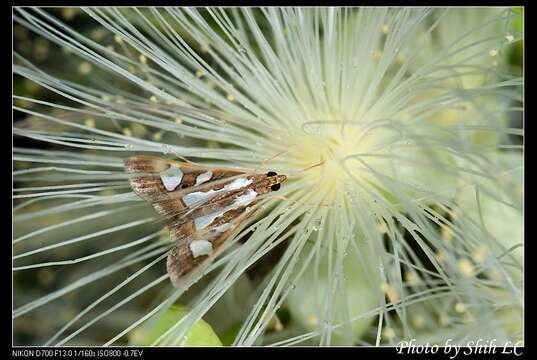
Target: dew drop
{"type": "Point", "coordinates": [316, 224]}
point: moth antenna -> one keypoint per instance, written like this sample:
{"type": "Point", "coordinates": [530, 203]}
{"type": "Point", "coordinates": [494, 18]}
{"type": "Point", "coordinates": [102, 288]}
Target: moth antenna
{"type": "Point", "coordinates": [312, 166]}
{"type": "Point", "coordinates": [307, 168]}
{"type": "Point", "coordinates": [264, 162]}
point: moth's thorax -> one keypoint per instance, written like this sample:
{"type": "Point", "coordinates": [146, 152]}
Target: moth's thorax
{"type": "Point", "coordinates": [262, 184]}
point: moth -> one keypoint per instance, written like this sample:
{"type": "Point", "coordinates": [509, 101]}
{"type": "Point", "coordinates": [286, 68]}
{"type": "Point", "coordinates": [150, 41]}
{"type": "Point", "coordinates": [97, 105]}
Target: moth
{"type": "Point", "coordinates": [203, 206]}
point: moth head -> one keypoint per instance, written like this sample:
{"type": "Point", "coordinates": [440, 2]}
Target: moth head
{"type": "Point", "coordinates": [275, 180]}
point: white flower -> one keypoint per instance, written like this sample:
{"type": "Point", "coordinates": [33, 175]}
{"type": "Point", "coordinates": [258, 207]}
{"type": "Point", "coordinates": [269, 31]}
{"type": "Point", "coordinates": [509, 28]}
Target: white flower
{"type": "Point", "coordinates": [386, 122]}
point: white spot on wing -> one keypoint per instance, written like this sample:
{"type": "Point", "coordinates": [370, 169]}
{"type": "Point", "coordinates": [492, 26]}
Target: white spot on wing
{"type": "Point", "coordinates": [198, 197]}
{"type": "Point", "coordinates": [203, 221]}
{"type": "Point", "coordinates": [171, 177]}
{"type": "Point", "coordinates": [200, 248]}
{"type": "Point", "coordinates": [238, 183]}
{"type": "Point", "coordinates": [206, 176]}
{"type": "Point", "coordinates": [244, 200]}
{"type": "Point", "coordinates": [223, 228]}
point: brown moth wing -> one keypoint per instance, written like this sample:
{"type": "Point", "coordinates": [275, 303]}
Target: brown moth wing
{"type": "Point", "coordinates": [149, 184]}
{"type": "Point", "coordinates": [143, 163]}
{"type": "Point", "coordinates": [180, 260]}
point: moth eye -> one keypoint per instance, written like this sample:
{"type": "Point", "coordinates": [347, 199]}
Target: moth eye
{"type": "Point", "coordinates": [275, 187]}
{"type": "Point", "coordinates": [271, 173]}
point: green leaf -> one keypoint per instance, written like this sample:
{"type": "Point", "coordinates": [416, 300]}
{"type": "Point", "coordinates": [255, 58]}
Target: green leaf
{"type": "Point", "coordinates": [517, 22]}
{"type": "Point", "coordinates": [201, 333]}
{"type": "Point", "coordinates": [230, 335]}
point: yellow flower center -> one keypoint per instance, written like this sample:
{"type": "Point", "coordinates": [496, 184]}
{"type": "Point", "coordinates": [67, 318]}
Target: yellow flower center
{"type": "Point", "coordinates": [333, 153]}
